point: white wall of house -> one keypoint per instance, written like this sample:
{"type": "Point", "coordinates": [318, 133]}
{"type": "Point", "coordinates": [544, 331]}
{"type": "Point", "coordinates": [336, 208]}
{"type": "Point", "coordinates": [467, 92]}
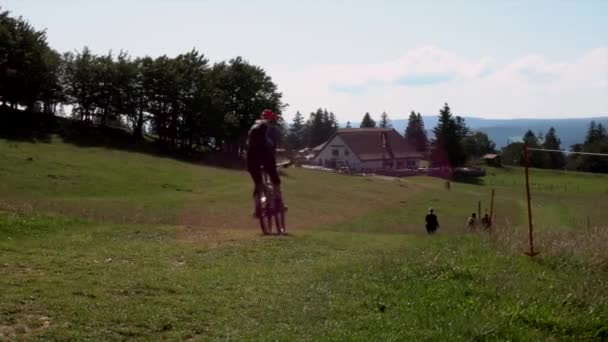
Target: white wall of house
{"type": "Point", "coordinates": [411, 163]}
{"type": "Point", "coordinates": [336, 150]}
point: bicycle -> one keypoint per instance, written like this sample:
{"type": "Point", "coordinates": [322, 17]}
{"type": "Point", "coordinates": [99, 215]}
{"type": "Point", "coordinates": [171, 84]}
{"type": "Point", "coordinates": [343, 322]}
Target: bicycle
{"type": "Point", "coordinates": [270, 208]}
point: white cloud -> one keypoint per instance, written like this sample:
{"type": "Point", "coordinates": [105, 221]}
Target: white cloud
{"type": "Point", "coordinates": [424, 78]}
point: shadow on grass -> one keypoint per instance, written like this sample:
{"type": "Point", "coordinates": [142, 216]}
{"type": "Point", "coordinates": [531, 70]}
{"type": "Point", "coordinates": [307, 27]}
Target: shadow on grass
{"type": "Point", "coordinates": [469, 180]}
{"type": "Point", "coordinates": [19, 126]}
{"type": "Point", "coordinates": [39, 128]}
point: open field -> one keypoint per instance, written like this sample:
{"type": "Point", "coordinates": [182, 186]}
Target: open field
{"type": "Point", "coordinates": [104, 244]}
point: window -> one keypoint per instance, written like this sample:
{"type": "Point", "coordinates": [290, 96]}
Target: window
{"type": "Point", "coordinates": [346, 152]}
{"type": "Point", "coordinates": [335, 153]}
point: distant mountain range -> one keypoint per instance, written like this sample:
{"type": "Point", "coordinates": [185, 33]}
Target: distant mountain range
{"type": "Point", "coordinates": [570, 131]}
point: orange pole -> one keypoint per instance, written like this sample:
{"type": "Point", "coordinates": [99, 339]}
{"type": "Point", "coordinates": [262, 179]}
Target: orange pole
{"type": "Point", "coordinates": [530, 229]}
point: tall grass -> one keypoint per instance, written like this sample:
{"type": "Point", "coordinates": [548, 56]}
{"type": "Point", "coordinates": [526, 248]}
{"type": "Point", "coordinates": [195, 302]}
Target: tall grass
{"type": "Point", "coordinates": [583, 247]}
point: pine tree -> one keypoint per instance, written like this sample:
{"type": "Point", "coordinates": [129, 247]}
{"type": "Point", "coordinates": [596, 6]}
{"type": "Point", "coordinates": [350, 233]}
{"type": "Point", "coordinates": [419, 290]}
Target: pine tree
{"type": "Point", "coordinates": [348, 125]}
{"type": "Point", "coordinates": [333, 123]}
{"type": "Point", "coordinates": [595, 142]}
{"type": "Point", "coordinates": [556, 160]}
{"type": "Point", "coordinates": [385, 122]}
{"type": "Point", "coordinates": [320, 126]}
{"type": "Point", "coordinates": [536, 159]}
{"type": "Point", "coordinates": [296, 132]}
{"type": "Point", "coordinates": [449, 133]}
{"type": "Point", "coordinates": [368, 122]}
{"type": "Point", "coordinates": [415, 134]}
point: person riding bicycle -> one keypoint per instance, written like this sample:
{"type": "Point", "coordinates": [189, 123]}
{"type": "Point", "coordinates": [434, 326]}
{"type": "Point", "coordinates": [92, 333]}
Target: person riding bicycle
{"type": "Point", "coordinates": [262, 142]}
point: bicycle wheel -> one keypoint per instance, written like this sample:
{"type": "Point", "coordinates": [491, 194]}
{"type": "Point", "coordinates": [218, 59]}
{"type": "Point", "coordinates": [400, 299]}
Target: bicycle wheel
{"type": "Point", "coordinates": [262, 212]}
{"type": "Point", "coordinates": [282, 220]}
{"type": "Point", "coordinates": [262, 218]}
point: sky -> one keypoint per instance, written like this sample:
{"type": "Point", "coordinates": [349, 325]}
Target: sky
{"type": "Point", "coordinates": [486, 58]}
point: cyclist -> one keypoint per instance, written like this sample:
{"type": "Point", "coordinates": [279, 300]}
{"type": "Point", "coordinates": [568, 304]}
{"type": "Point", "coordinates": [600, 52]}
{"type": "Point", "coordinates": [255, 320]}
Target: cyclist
{"type": "Point", "coordinates": [261, 147]}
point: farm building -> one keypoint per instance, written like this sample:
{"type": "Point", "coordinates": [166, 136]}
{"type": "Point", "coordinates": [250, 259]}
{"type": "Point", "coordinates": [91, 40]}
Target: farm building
{"type": "Point", "coordinates": [492, 159]}
{"type": "Point", "coordinates": [367, 148]}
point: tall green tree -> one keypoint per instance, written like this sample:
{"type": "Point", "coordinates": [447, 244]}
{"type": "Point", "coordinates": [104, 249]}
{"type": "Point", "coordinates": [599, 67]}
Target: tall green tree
{"type": "Point", "coordinates": [415, 133]}
{"type": "Point", "coordinates": [385, 122]}
{"type": "Point", "coordinates": [596, 141]}
{"type": "Point", "coordinates": [368, 122]}
{"type": "Point", "coordinates": [321, 125]}
{"type": "Point", "coordinates": [245, 90]}
{"type": "Point", "coordinates": [556, 160]}
{"type": "Point", "coordinates": [536, 159]}
{"type": "Point", "coordinates": [80, 83]}
{"type": "Point", "coordinates": [478, 144]}
{"type": "Point", "coordinates": [28, 66]}
{"type": "Point", "coordinates": [296, 132]}
{"type": "Point", "coordinates": [449, 133]}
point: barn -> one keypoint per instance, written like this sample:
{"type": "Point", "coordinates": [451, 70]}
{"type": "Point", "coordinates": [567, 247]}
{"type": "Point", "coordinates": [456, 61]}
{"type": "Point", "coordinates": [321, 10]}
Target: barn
{"type": "Point", "coordinates": [367, 149]}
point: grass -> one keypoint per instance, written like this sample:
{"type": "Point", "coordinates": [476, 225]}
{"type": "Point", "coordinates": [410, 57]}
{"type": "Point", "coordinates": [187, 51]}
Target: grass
{"type": "Point", "coordinates": [120, 245]}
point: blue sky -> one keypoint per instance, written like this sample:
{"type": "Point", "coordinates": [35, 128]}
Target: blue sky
{"type": "Point", "coordinates": [492, 58]}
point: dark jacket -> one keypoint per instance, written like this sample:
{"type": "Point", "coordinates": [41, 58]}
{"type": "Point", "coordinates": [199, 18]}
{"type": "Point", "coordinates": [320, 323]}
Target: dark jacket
{"type": "Point", "coordinates": [431, 221]}
{"type": "Point", "coordinates": [263, 137]}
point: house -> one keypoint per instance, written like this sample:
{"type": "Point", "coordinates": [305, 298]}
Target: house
{"type": "Point", "coordinates": [492, 159]}
{"type": "Point", "coordinates": [367, 148]}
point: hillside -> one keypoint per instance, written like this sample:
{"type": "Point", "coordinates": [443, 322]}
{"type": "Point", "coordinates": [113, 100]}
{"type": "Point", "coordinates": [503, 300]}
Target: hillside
{"type": "Point", "coordinates": [105, 244]}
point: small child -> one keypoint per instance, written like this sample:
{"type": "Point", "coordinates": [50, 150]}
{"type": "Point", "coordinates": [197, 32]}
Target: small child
{"type": "Point", "coordinates": [472, 221]}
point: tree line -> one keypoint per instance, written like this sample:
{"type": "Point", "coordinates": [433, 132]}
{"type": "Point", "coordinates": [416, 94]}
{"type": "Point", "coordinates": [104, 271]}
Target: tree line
{"type": "Point", "coordinates": [453, 143]}
{"type": "Point", "coordinates": [596, 141]}
{"type": "Point", "coordinates": [185, 102]}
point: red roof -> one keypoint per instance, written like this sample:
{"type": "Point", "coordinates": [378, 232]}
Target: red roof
{"type": "Point", "coordinates": [376, 143]}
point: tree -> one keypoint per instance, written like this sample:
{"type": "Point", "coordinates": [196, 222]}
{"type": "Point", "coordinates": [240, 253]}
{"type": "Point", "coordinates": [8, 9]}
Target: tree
{"type": "Point", "coordinates": [536, 159]}
{"type": "Point", "coordinates": [385, 122]}
{"type": "Point", "coordinates": [80, 84]}
{"type": "Point", "coordinates": [415, 134]}
{"type": "Point", "coordinates": [368, 122]}
{"type": "Point", "coordinates": [333, 123]}
{"type": "Point", "coordinates": [555, 160]}
{"type": "Point", "coordinates": [240, 92]}
{"type": "Point", "coordinates": [595, 142]}
{"type": "Point", "coordinates": [348, 125]}
{"type": "Point", "coordinates": [596, 133]}
{"type": "Point", "coordinates": [449, 133]}
{"type": "Point", "coordinates": [512, 154]}
{"type": "Point", "coordinates": [296, 132]}
{"type": "Point", "coordinates": [478, 144]}
{"type": "Point", "coordinates": [321, 125]}
{"type": "Point", "coordinates": [28, 67]}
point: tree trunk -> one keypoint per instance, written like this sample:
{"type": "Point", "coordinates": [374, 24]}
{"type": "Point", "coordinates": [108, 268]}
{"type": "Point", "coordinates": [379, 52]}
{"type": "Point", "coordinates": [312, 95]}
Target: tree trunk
{"type": "Point", "coordinates": [139, 126]}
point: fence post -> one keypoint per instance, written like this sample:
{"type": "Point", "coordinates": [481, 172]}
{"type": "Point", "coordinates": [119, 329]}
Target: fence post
{"type": "Point", "coordinates": [530, 230]}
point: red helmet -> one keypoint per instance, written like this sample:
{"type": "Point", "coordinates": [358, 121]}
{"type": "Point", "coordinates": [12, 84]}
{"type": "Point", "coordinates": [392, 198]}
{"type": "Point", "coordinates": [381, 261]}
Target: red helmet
{"type": "Point", "coordinates": [269, 115]}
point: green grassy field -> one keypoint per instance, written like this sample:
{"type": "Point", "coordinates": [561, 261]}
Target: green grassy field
{"type": "Point", "coordinates": [100, 244]}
